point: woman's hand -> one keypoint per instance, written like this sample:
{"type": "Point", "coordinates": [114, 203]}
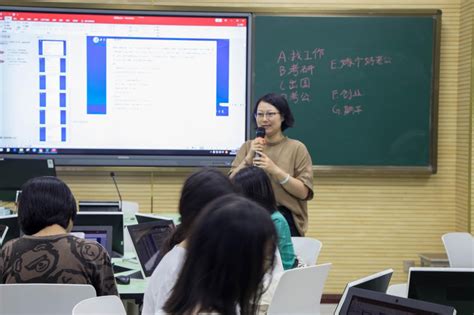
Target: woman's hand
{"type": "Point", "coordinates": [292, 185]}
{"type": "Point", "coordinates": [264, 162]}
{"type": "Point", "coordinates": [256, 146]}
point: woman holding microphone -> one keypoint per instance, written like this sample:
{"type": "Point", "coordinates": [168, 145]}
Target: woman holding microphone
{"type": "Point", "coordinates": [285, 160]}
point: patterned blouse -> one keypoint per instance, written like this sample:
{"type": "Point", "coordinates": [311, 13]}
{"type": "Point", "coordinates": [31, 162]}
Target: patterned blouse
{"type": "Point", "coordinates": [57, 259]}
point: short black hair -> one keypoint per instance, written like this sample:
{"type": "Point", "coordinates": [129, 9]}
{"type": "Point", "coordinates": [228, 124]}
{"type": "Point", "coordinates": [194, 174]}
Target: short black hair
{"type": "Point", "coordinates": [280, 102]}
{"type": "Point", "coordinates": [198, 190]}
{"type": "Point", "coordinates": [45, 201]}
{"type": "Point", "coordinates": [231, 247]}
{"type": "Point", "coordinates": [255, 184]}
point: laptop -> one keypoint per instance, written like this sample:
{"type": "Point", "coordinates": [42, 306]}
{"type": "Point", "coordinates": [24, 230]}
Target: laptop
{"type": "Point", "coordinates": [375, 282]}
{"type": "Point", "coordinates": [364, 302]}
{"type": "Point", "coordinates": [447, 286]}
{"type": "Point", "coordinates": [13, 230]}
{"type": "Point", "coordinates": [148, 217]}
{"type": "Point", "coordinates": [101, 234]}
{"type": "Point", "coordinates": [3, 232]}
{"type": "Point", "coordinates": [147, 239]}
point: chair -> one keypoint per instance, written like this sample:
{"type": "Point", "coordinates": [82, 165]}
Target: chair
{"type": "Point", "coordinates": [299, 291]}
{"type": "Point", "coordinates": [109, 304]}
{"type": "Point", "coordinates": [42, 298]}
{"type": "Point", "coordinates": [307, 249]}
{"type": "Point", "coordinates": [460, 249]}
{"type": "Point", "coordinates": [399, 289]}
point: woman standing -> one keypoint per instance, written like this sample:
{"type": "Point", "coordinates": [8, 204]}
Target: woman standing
{"type": "Point", "coordinates": [285, 160]}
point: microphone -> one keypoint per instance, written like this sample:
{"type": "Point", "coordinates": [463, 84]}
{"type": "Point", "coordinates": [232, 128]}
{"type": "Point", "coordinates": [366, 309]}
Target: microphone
{"type": "Point", "coordinates": [112, 174]}
{"type": "Point", "coordinates": [259, 133]}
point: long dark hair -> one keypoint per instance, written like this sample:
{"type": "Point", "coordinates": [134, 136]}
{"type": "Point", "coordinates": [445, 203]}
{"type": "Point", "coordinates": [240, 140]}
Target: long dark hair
{"type": "Point", "coordinates": [198, 190]}
{"type": "Point", "coordinates": [255, 184]}
{"type": "Point", "coordinates": [230, 249]}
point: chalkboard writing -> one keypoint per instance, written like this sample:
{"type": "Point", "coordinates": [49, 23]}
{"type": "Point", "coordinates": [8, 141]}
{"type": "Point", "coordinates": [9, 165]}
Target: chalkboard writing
{"type": "Point", "coordinates": [362, 88]}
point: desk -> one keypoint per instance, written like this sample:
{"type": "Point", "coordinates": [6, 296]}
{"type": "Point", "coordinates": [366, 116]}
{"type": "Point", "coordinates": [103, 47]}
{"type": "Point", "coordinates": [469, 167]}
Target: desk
{"type": "Point", "coordinates": [136, 288]}
{"type": "Point", "coordinates": [434, 260]}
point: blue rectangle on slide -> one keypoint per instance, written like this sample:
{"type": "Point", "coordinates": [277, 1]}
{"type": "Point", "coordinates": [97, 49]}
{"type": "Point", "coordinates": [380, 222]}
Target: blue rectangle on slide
{"type": "Point", "coordinates": [62, 99]}
{"type": "Point", "coordinates": [62, 82]}
{"type": "Point", "coordinates": [63, 134]}
{"type": "Point", "coordinates": [63, 117]}
{"type": "Point", "coordinates": [62, 65]}
{"type": "Point", "coordinates": [42, 134]}
{"type": "Point", "coordinates": [42, 99]}
{"type": "Point", "coordinates": [42, 65]}
{"type": "Point", "coordinates": [42, 82]}
{"type": "Point", "coordinates": [42, 117]}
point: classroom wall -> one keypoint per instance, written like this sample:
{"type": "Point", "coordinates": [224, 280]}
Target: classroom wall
{"type": "Point", "coordinates": [463, 154]}
{"type": "Point", "coordinates": [471, 179]}
{"type": "Point", "coordinates": [366, 223]}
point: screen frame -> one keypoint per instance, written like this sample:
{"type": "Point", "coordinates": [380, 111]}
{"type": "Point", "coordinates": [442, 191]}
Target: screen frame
{"type": "Point", "coordinates": [411, 286]}
{"type": "Point", "coordinates": [395, 300]}
{"type": "Point", "coordinates": [379, 275]}
{"type": "Point", "coordinates": [133, 157]}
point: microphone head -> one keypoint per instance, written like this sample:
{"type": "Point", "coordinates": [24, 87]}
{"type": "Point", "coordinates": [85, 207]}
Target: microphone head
{"type": "Point", "coordinates": [260, 132]}
{"type": "Point", "coordinates": [112, 174]}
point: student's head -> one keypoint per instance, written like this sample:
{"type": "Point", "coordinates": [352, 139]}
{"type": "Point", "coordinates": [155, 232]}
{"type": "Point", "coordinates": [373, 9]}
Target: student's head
{"type": "Point", "coordinates": [45, 201]}
{"type": "Point", "coordinates": [273, 103]}
{"type": "Point", "coordinates": [255, 184]}
{"type": "Point", "coordinates": [231, 247]}
{"type": "Point", "coordinates": [198, 190]}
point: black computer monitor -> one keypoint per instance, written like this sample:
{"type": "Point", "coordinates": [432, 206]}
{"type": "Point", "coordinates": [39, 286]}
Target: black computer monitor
{"type": "Point", "coordinates": [375, 282]}
{"type": "Point", "coordinates": [100, 234]}
{"type": "Point", "coordinates": [15, 172]}
{"type": "Point", "coordinates": [113, 219]}
{"type": "Point", "coordinates": [447, 286]}
{"type": "Point", "coordinates": [361, 302]}
{"type": "Point", "coordinates": [13, 231]}
{"type": "Point", "coordinates": [100, 206]}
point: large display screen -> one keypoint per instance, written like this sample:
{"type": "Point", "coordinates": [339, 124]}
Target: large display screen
{"type": "Point", "coordinates": [101, 87]}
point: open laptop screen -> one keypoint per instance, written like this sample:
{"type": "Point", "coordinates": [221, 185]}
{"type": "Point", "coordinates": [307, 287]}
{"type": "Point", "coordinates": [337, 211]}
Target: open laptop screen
{"type": "Point", "coordinates": [147, 240]}
{"type": "Point", "coordinates": [362, 302]}
{"type": "Point", "coordinates": [447, 286]}
{"type": "Point", "coordinates": [97, 233]}
{"type": "Point", "coordinates": [376, 282]}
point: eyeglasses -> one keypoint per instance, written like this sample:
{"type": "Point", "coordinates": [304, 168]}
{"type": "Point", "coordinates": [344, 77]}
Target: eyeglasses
{"type": "Point", "coordinates": [269, 115]}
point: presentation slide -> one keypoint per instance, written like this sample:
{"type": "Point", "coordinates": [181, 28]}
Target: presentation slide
{"type": "Point", "coordinates": [101, 83]}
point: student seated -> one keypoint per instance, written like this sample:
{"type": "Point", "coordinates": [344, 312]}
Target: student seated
{"type": "Point", "coordinates": [198, 190]}
{"type": "Point", "coordinates": [47, 253]}
{"type": "Point", "coordinates": [254, 184]}
{"type": "Point", "coordinates": [230, 249]}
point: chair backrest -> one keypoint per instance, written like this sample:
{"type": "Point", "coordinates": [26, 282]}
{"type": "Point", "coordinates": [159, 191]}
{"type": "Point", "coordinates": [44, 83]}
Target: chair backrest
{"type": "Point", "coordinates": [101, 305]}
{"type": "Point", "coordinates": [299, 291]}
{"type": "Point", "coordinates": [42, 298]}
{"type": "Point", "coordinates": [460, 249]}
{"type": "Point", "coordinates": [400, 289]}
{"type": "Point", "coordinates": [307, 249]}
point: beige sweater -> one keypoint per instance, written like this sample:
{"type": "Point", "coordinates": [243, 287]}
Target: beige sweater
{"type": "Point", "coordinates": [292, 157]}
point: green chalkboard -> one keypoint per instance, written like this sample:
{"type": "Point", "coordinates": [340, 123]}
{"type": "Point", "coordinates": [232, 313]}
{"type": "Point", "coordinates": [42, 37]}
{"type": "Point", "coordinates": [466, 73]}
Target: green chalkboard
{"type": "Point", "coordinates": [363, 88]}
